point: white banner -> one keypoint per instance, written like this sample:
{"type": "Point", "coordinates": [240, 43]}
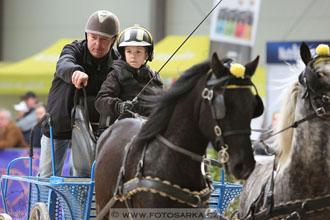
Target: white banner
{"type": "Point", "coordinates": [235, 21]}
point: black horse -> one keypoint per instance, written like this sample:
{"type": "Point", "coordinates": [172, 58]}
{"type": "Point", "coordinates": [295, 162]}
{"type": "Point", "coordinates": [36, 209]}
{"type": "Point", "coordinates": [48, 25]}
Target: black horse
{"type": "Point", "coordinates": [158, 163]}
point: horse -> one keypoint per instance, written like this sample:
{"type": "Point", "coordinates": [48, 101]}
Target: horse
{"type": "Point", "coordinates": [294, 184]}
{"type": "Point", "coordinates": [157, 163]}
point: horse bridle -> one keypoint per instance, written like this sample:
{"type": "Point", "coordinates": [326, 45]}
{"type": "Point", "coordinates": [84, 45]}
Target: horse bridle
{"type": "Point", "coordinates": [218, 112]}
{"type": "Point", "coordinates": [293, 210]}
{"type": "Point", "coordinates": [218, 109]}
{"type": "Point", "coordinates": [319, 102]}
{"type": "Point", "coordinates": [124, 191]}
{"type": "Point", "coordinates": [308, 78]}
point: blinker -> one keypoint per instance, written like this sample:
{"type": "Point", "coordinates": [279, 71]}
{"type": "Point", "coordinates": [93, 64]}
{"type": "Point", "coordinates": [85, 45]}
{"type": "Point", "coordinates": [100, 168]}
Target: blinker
{"type": "Point", "coordinates": [219, 107]}
{"type": "Point", "coordinates": [259, 108]}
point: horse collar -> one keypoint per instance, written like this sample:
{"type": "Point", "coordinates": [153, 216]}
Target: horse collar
{"type": "Point", "coordinates": [124, 190]}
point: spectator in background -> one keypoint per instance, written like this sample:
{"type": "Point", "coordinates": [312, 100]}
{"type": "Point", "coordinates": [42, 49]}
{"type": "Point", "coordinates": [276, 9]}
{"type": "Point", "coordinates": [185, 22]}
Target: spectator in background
{"type": "Point", "coordinates": [40, 110]}
{"type": "Point", "coordinates": [10, 135]}
{"type": "Point", "coordinates": [29, 119]}
{"type": "Point", "coordinates": [20, 109]}
{"type": "Point", "coordinates": [31, 100]}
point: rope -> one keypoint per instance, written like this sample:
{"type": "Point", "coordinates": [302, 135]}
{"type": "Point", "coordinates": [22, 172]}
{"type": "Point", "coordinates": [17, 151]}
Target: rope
{"type": "Point", "coordinates": [157, 73]}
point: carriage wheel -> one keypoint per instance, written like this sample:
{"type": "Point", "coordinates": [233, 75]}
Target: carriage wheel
{"type": "Point", "coordinates": [4, 216]}
{"type": "Point", "coordinates": [39, 212]}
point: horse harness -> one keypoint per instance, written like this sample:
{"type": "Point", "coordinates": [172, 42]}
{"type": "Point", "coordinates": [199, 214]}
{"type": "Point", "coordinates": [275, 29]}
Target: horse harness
{"type": "Point", "coordinates": [297, 209]}
{"type": "Point", "coordinates": [218, 108]}
{"type": "Point", "coordinates": [139, 183]}
{"type": "Point", "coordinates": [124, 191]}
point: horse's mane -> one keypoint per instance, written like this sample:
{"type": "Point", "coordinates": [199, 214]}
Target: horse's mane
{"type": "Point", "coordinates": [287, 116]}
{"type": "Point", "coordinates": [165, 102]}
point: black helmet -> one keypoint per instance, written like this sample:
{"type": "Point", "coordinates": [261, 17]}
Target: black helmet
{"type": "Point", "coordinates": [104, 23]}
{"type": "Point", "coordinates": [135, 36]}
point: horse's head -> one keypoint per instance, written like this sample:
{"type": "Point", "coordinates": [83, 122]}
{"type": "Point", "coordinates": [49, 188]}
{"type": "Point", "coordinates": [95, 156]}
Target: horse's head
{"type": "Point", "coordinates": [302, 100]}
{"type": "Point", "coordinates": [316, 78]}
{"type": "Point", "coordinates": [231, 105]}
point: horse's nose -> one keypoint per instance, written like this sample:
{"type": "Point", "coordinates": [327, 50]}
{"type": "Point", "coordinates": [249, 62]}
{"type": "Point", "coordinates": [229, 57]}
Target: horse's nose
{"type": "Point", "coordinates": [242, 170]}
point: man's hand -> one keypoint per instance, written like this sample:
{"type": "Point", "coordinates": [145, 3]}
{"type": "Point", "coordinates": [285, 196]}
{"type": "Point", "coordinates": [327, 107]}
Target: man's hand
{"type": "Point", "coordinates": [123, 106]}
{"type": "Point", "coordinates": [79, 78]}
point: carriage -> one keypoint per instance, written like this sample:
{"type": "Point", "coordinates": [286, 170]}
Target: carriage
{"type": "Point", "coordinates": [55, 197]}
{"type": "Point", "coordinates": [209, 88]}
{"type": "Point", "coordinates": [74, 197]}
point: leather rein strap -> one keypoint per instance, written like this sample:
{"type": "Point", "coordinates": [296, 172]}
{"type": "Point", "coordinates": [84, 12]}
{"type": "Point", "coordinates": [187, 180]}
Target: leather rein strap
{"type": "Point", "coordinates": [124, 191]}
{"type": "Point", "coordinates": [294, 210]}
{"type": "Point", "coordinates": [190, 154]}
{"type": "Point", "coordinates": [165, 189]}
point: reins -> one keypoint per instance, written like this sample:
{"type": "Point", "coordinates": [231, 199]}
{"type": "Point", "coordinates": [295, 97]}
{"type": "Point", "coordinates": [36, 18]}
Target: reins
{"type": "Point", "coordinates": [190, 154]}
{"type": "Point", "coordinates": [320, 111]}
{"type": "Point", "coordinates": [297, 209]}
{"type": "Point", "coordinates": [125, 190]}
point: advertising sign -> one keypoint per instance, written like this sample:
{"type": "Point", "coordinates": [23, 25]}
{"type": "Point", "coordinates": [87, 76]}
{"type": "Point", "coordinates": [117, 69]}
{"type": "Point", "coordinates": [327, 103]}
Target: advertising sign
{"type": "Point", "coordinates": [235, 21]}
{"type": "Point", "coordinates": [289, 51]}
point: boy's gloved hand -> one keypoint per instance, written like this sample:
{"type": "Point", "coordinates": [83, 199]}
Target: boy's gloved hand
{"type": "Point", "coordinates": [126, 105]}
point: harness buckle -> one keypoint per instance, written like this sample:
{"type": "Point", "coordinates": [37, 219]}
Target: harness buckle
{"type": "Point", "coordinates": [325, 99]}
{"type": "Point", "coordinates": [320, 111]}
{"type": "Point", "coordinates": [293, 215]}
{"type": "Point", "coordinates": [223, 155]}
{"type": "Point", "coordinates": [199, 201]}
{"type": "Point", "coordinates": [217, 131]}
{"type": "Point", "coordinates": [207, 94]}
{"type": "Point", "coordinates": [139, 169]}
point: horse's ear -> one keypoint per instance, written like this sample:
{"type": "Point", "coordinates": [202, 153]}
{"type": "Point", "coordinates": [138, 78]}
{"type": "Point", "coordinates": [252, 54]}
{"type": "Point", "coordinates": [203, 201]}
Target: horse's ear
{"type": "Point", "coordinates": [305, 53]}
{"type": "Point", "coordinates": [216, 65]}
{"type": "Point", "coordinates": [251, 67]}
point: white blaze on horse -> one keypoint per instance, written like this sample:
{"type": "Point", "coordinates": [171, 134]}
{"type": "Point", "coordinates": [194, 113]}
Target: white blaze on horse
{"type": "Point", "coordinates": [296, 185]}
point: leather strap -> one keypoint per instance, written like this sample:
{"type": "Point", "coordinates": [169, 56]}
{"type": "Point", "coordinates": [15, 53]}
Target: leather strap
{"type": "Point", "coordinates": [193, 155]}
{"type": "Point", "coordinates": [166, 189]}
{"type": "Point", "coordinates": [291, 210]}
{"type": "Point", "coordinates": [190, 154]}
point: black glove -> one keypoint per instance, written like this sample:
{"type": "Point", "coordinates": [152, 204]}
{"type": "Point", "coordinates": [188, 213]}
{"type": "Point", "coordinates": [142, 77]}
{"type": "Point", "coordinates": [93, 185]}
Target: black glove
{"type": "Point", "coordinates": [124, 106]}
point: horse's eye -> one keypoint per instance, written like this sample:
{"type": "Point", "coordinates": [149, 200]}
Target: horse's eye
{"type": "Point", "coordinates": [320, 74]}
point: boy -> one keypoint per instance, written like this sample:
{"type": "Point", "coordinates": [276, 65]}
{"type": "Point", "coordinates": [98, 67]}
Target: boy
{"type": "Point", "coordinates": [129, 75]}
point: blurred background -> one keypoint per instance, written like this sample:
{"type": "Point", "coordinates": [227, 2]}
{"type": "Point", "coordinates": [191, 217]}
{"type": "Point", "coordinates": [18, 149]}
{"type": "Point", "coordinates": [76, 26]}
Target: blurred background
{"type": "Point", "coordinates": [32, 34]}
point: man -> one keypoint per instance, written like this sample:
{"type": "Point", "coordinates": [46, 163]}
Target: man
{"type": "Point", "coordinates": [40, 111]}
{"type": "Point", "coordinates": [86, 62]}
{"type": "Point", "coordinates": [10, 135]}
{"type": "Point", "coordinates": [29, 118]}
